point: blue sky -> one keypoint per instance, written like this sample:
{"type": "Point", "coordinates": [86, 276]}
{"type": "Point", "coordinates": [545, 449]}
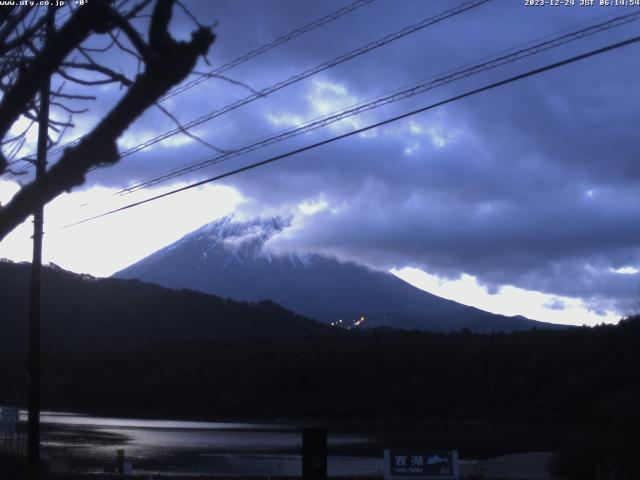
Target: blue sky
{"type": "Point", "coordinates": [521, 200]}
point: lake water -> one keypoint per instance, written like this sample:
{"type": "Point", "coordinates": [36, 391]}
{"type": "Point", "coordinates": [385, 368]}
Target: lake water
{"type": "Point", "coordinates": [84, 442]}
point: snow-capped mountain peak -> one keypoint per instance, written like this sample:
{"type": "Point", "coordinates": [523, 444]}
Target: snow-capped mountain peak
{"type": "Point", "coordinates": [231, 258]}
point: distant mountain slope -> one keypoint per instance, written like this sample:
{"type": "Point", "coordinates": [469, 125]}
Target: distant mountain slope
{"type": "Point", "coordinates": [232, 259]}
{"type": "Point", "coordinates": [83, 311]}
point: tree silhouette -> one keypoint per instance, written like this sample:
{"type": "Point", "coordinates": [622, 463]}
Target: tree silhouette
{"type": "Point", "coordinates": [70, 59]}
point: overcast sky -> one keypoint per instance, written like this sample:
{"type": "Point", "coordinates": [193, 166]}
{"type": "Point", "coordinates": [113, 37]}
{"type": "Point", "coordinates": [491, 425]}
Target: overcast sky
{"type": "Point", "coordinates": [521, 200]}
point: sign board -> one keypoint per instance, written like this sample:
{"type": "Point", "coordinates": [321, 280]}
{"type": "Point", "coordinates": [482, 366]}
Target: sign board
{"type": "Point", "coordinates": [421, 464]}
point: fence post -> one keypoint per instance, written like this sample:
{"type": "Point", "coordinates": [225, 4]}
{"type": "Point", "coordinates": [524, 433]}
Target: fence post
{"type": "Point", "coordinates": [314, 453]}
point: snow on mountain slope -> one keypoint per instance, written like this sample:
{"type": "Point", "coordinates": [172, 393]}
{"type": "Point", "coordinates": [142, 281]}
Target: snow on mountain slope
{"type": "Point", "coordinates": [231, 258]}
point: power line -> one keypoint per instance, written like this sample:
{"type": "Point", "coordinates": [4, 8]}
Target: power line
{"type": "Point", "coordinates": [269, 46]}
{"type": "Point", "coordinates": [308, 73]}
{"type": "Point", "coordinates": [491, 86]}
{"type": "Point", "coordinates": [296, 78]}
{"type": "Point", "coordinates": [248, 56]}
{"type": "Point", "coordinates": [398, 95]}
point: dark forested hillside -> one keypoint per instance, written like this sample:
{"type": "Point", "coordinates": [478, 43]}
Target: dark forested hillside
{"type": "Point", "coordinates": [139, 349]}
{"type": "Point", "coordinates": [83, 312]}
{"type": "Point", "coordinates": [575, 390]}
{"type": "Point", "coordinates": [566, 376]}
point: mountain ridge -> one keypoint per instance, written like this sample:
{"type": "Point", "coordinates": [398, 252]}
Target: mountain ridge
{"type": "Point", "coordinates": [232, 258]}
{"type": "Point", "coordinates": [82, 311]}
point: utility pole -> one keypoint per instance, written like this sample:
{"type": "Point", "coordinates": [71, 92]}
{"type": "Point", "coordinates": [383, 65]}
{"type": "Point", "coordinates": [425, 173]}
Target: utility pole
{"type": "Point", "coordinates": [35, 311]}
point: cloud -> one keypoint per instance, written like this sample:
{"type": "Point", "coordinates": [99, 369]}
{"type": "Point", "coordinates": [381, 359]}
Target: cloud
{"type": "Point", "coordinates": [533, 186]}
{"type": "Point", "coordinates": [509, 300]}
{"type": "Point", "coordinates": [556, 304]}
{"type": "Point", "coordinates": [115, 242]}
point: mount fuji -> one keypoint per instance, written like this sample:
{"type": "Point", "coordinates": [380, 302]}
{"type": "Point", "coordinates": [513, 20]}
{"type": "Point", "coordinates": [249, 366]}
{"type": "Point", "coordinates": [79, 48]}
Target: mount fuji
{"type": "Point", "coordinates": [231, 258]}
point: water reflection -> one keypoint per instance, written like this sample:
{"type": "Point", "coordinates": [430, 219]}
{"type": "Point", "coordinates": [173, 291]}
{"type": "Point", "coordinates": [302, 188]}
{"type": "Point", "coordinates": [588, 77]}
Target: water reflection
{"type": "Point", "coordinates": [188, 447]}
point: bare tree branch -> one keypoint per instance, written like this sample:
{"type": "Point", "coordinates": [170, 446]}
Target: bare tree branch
{"type": "Point", "coordinates": [74, 96]}
{"type": "Point", "coordinates": [98, 49]}
{"type": "Point", "coordinates": [23, 37]}
{"type": "Point", "coordinates": [81, 81]}
{"type": "Point", "coordinates": [113, 76]}
{"type": "Point", "coordinates": [11, 23]}
{"type": "Point", "coordinates": [137, 9]}
{"type": "Point", "coordinates": [167, 63]}
{"type": "Point", "coordinates": [61, 43]}
{"type": "Point", "coordinates": [16, 173]}
{"type": "Point", "coordinates": [117, 41]}
{"type": "Point", "coordinates": [56, 123]}
{"type": "Point", "coordinates": [60, 135]}
{"type": "Point", "coordinates": [20, 135]}
{"type": "Point", "coordinates": [230, 80]}
{"type": "Point", "coordinates": [69, 109]}
{"type": "Point", "coordinates": [134, 37]}
{"type": "Point", "coordinates": [16, 148]}
{"type": "Point", "coordinates": [189, 14]}
{"type": "Point", "coordinates": [187, 132]}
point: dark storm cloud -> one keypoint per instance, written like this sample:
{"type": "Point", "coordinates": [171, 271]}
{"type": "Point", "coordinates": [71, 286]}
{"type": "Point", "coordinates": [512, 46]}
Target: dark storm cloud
{"type": "Point", "coordinates": [534, 185]}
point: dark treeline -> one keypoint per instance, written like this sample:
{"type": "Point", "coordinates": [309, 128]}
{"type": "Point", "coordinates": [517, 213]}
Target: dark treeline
{"type": "Point", "coordinates": [575, 376]}
{"type": "Point", "coordinates": [575, 391]}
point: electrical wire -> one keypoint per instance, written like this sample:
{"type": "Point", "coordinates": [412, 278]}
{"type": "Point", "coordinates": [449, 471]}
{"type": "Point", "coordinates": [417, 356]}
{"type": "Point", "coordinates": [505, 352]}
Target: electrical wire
{"type": "Point", "coordinates": [246, 57]}
{"type": "Point", "coordinates": [485, 88]}
{"type": "Point", "coordinates": [269, 46]}
{"type": "Point", "coordinates": [309, 72]}
{"type": "Point", "coordinates": [396, 96]}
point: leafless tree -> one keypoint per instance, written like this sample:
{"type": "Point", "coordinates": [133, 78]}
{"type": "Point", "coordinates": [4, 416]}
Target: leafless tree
{"type": "Point", "coordinates": [68, 54]}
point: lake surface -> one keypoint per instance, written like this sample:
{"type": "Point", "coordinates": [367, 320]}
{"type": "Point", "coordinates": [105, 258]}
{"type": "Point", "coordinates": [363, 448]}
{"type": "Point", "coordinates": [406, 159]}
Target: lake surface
{"type": "Point", "coordinates": [84, 442]}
